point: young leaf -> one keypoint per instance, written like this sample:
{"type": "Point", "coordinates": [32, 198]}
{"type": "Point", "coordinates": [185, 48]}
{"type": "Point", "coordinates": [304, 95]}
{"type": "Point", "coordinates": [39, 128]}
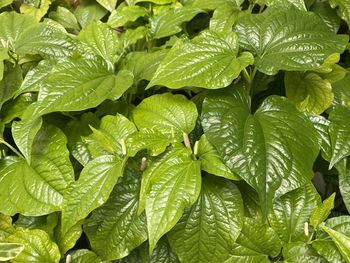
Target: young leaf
{"type": "Point", "coordinates": [84, 256]}
{"type": "Point", "coordinates": [210, 60]}
{"type": "Point", "coordinates": [171, 114]}
{"type": "Point", "coordinates": [78, 85]}
{"type": "Point", "coordinates": [207, 231]}
{"type": "Point", "coordinates": [291, 211]}
{"type": "Point", "coordinates": [114, 229]}
{"type": "Point", "coordinates": [23, 190]}
{"type": "Point", "coordinates": [339, 133]}
{"type": "Point", "coordinates": [37, 246]}
{"type": "Point", "coordinates": [342, 242]}
{"type": "Point", "coordinates": [10, 251]}
{"type": "Point", "coordinates": [273, 149]}
{"type": "Point", "coordinates": [290, 40]}
{"type": "Point", "coordinates": [211, 162]}
{"type": "Point", "coordinates": [168, 186]}
{"type": "Point", "coordinates": [91, 190]}
{"type": "Point", "coordinates": [36, 12]}
{"type": "Point", "coordinates": [6, 227]}
{"type": "Point", "coordinates": [308, 91]}
{"type": "Point", "coordinates": [169, 22]}
{"type": "Point", "coordinates": [108, 4]}
{"type": "Point", "coordinates": [321, 213]}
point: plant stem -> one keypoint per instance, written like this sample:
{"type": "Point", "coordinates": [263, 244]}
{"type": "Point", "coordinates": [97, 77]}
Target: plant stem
{"type": "Point", "coordinates": [12, 148]}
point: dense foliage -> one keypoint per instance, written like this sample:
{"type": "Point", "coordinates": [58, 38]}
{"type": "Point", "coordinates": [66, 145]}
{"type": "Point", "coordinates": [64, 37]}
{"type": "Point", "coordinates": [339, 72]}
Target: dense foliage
{"type": "Point", "coordinates": [174, 131]}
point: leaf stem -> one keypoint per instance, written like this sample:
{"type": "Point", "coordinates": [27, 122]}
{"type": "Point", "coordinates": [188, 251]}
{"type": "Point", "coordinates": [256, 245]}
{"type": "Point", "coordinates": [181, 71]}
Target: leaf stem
{"type": "Point", "coordinates": [12, 148]}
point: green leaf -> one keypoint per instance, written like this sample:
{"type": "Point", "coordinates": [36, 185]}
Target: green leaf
{"type": "Point", "coordinates": [158, 2]}
{"type": "Point", "coordinates": [344, 181]}
{"type": "Point", "coordinates": [211, 161]}
{"type": "Point", "coordinates": [342, 242]}
{"type": "Point", "coordinates": [67, 19]}
{"type": "Point", "coordinates": [84, 256]}
{"type": "Point", "coordinates": [300, 252]}
{"type": "Point", "coordinates": [321, 212]}
{"type": "Point", "coordinates": [151, 139]}
{"type": "Point", "coordinates": [10, 251]}
{"type": "Point", "coordinates": [291, 211]}
{"type": "Point", "coordinates": [114, 229]}
{"type": "Point", "coordinates": [14, 108]}
{"type": "Point", "coordinates": [24, 133]}
{"type": "Point", "coordinates": [66, 241]}
{"type": "Point", "coordinates": [210, 61]}
{"type": "Point", "coordinates": [273, 149]}
{"type": "Point", "coordinates": [23, 190]}
{"type": "Point", "coordinates": [3, 56]}
{"type": "Point", "coordinates": [344, 9]}
{"type": "Point", "coordinates": [6, 227]}
{"type": "Point", "coordinates": [339, 133]}
{"type": "Point", "coordinates": [100, 39]}
{"type": "Point", "coordinates": [168, 186]}
{"type": "Point", "coordinates": [45, 223]}
{"type": "Point", "coordinates": [169, 22]}
{"type": "Point", "coordinates": [36, 12]}
{"type": "Point", "coordinates": [327, 14]}
{"type": "Point", "coordinates": [125, 14]}
{"type": "Point", "coordinates": [207, 231]}
{"type": "Point", "coordinates": [163, 253]}
{"type": "Point", "coordinates": [321, 125]}
{"type": "Point", "coordinates": [89, 12]}
{"type": "Point", "coordinates": [290, 40]}
{"type": "Point", "coordinates": [308, 91]}
{"type": "Point", "coordinates": [10, 83]}
{"type": "Point", "coordinates": [223, 18]}
{"type": "Point", "coordinates": [342, 92]}
{"type": "Point", "coordinates": [91, 190]}
{"type": "Point", "coordinates": [37, 246]}
{"type": "Point", "coordinates": [108, 4]}
{"type": "Point", "coordinates": [256, 242]}
{"type": "Point", "coordinates": [300, 4]}
{"type": "Point", "coordinates": [4, 3]}
{"type": "Point", "coordinates": [78, 85]}
{"type": "Point", "coordinates": [214, 4]}
{"type": "Point", "coordinates": [170, 114]}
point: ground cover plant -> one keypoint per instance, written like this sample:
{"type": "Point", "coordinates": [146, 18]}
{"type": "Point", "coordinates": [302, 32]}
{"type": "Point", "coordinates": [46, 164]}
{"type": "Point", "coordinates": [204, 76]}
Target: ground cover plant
{"type": "Point", "coordinates": [174, 131]}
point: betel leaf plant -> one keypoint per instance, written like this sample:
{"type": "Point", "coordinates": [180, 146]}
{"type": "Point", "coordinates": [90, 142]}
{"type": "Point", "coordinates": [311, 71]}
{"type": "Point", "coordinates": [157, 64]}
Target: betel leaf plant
{"type": "Point", "coordinates": [175, 131]}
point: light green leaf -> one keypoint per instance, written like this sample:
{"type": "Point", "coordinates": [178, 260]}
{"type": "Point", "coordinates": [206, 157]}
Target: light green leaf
{"type": "Point", "coordinates": [151, 139]}
{"type": "Point", "coordinates": [10, 251]}
{"type": "Point", "coordinates": [255, 243]}
{"type": "Point", "coordinates": [91, 190]}
{"type": "Point", "coordinates": [290, 40]}
{"type": "Point", "coordinates": [112, 130]}
{"type": "Point", "coordinates": [23, 133]}
{"type": "Point", "coordinates": [36, 12]}
{"type": "Point", "coordinates": [223, 18]}
{"type": "Point", "coordinates": [78, 85]}
{"type": "Point", "coordinates": [3, 56]}
{"type": "Point", "coordinates": [66, 241]}
{"type": "Point", "coordinates": [327, 14]}
{"type": "Point", "coordinates": [100, 39]}
{"type": "Point", "coordinates": [125, 14]}
{"type": "Point", "coordinates": [108, 4]}
{"type": "Point", "coordinates": [308, 91]}
{"type": "Point", "coordinates": [321, 212]}
{"type": "Point", "coordinates": [300, 252]}
{"type": "Point", "coordinates": [341, 91]}
{"type": "Point", "coordinates": [341, 241]}
{"type": "Point", "coordinates": [339, 133]}
{"type": "Point", "coordinates": [4, 3]}
{"type": "Point", "coordinates": [344, 9]}
{"type": "Point", "coordinates": [291, 211]}
{"type": "Point", "coordinates": [168, 186]}
{"type": "Point", "coordinates": [37, 246]}
{"type": "Point", "coordinates": [273, 149]}
{"type": "Point", "coordinates": [321, 125]}
{"type": "Point", "coordinates": [214, 4]}
{"type": "Point", "coordinates": [6, 227]}
{"type": "Point", "coordinates": [67, 19]}
{"type": "Point", "coordinates": [132, 35]}
{"type": "Point", "coordinates": [207, 231]}
{"type": "Point", "coordinates": [46, 223]}
{"type": "Point", "coordinates": [172, 115]}
{"type": "Point", "coordinates": [283, 3]}
{"type": "Point", "coordinates": [210, 61]}
{"type": "Point", "coordinates": [158, 2]}
{"type": "Point", "coordinates": [114, 229]}
{"type": "Point", "coordinates": [169, 23]}
{"type": "Point", "coordinates": [211, 162]}
{"type": "Point", "coordinates": [23, 190]}
{"type": "Point", "coordinates": [10, 83]}
{"type": "Point", "coordinates": [87, 13]}
{"type": "Point", "coordinates": [14, 108]}
{"type": "Point", "coordinates": [84, 256]}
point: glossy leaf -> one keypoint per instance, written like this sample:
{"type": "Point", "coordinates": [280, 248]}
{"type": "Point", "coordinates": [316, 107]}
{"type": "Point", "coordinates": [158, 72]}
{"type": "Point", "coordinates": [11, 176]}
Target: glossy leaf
{"type": "Point", "coordinates": [67, 19]}
{"type": "Point", "coordinates": [284, 4]}
{"type": "Point", "coordinates": [210, 60]}
{"type": "Point", "coordinates": [211, 161]}
{"type": "Point", "coordinates": [10, 83]}
{"type": "Point", "coordinates": [342, 242]}
{"type": "Point", "coordinates": [271, 155]}
{"type": "Point", "coordinates": [36, 12]}
{"type": "Point", "coordinates": [84, 256]}
{"type": "Point", "coordinates": [46, 223]}
{"type": "Point", "coordinates": [6, 227]}
{"type": "Point", "coordinates": [108, 4]}
{"type": "Point", "coordinates": [10, 251]}
{"type": "Point", "coordinates": [327, 14]}
{"type": "Point", "coordinates": [125, 14]}
{"type": "Point", "coordinates": [115, 229]}
{"type": "Point", "coordinates": [322, 211]}
{"type": "Point", "coordinates": [171, 114]}
{"type": "Point", "coordinates": [207, 231]}
{"type": "Point", "coordinates": [163, 253]}
{"type": "Point", "coordinates": [223, 18]}
{"type": "Point", "coordinates": [169, 22]}
{"type": "Point", "coordinates": [344, 8]}
{"type": "Point", "coordinates": [168, 186]}
{"type": "Point", "coordinates": [290, 40]}
{"type": "Point", "coordinates": [214, 4]}
{"type": "Point", "coordinates": [344, 181]}
{"type": "Point", "coordinates": [37, 246]}
{"type": "Point", "coordinates": [309, 91]}
{"type": "Point", "coordinates": [91, 190]}
{"type": "Point", "coordinates": [67, 241]}
{"type": "Point", "coordinates": [301, 252]}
